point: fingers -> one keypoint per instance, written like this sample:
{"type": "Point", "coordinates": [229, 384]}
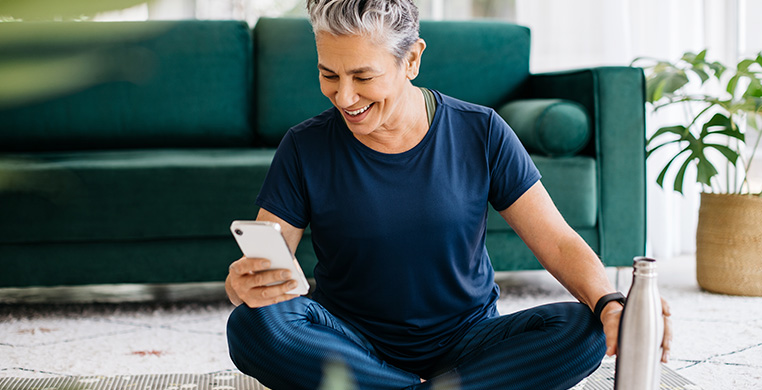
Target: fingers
{"type": "Point", "coordinates": [665, 310]}
{"type": "Point", "coordinates": [610, 322]}
{"type": "Point", "coordinates": [667, 341]}
{"type": "Point", "coordinates": [611, 329]}
{"type": "Point", "coordinates": [611, 343]}
{"type": "Point", "coordinates": [265, 278]}
{"type": "Point", "coordinates": [246, 265]}
{"type": "Point", "coordinates": [269, 295]}
{"type": "Point", "coordinates": [257, 285]}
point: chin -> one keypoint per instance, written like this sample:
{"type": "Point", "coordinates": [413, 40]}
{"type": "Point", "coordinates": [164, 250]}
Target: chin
{"type": "Point", "coordinates": [360, 129]}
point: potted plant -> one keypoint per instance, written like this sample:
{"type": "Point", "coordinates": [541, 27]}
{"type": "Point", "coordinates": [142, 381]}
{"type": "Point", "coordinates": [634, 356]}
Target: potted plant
{"type": "Point", "coordinates": [723, 117]}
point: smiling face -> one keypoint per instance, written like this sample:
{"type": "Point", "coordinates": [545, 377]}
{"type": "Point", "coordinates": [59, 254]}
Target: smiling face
{"type": "Point", "coordinates": [366, 82]}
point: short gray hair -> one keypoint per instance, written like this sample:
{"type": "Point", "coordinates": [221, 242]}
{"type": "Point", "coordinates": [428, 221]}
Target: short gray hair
{"type": "Point", "coordinates": [390, 23]}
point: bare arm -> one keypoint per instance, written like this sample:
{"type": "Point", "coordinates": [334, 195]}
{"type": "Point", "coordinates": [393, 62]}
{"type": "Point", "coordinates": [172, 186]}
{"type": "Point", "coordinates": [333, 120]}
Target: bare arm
{"type": "Point", "coordinates": [569, 259]}
{"type": "Point", "coordinates": [248, 278]}
{"type": "Point", "coordinates": [558, 247]}
{"type": "Point", "coordinates": [564, 254]}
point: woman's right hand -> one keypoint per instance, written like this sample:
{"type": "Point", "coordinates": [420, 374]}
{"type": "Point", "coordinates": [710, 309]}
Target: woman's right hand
{"type": "Point", "coordinates": [248, 280]}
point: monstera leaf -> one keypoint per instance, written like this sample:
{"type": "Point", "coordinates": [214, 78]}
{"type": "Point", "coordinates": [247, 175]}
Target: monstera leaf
{"type": "Point", "coordinates": [695, 148]}
{"type": "Point", "coordinates": [729, 105]}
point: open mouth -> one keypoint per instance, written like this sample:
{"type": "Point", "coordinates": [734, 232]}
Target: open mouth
{"type": "Point", "coordinates": [358, 112]}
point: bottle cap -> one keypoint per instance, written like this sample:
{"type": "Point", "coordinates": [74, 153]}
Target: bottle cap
{"type": "Point", "coordinates": [644, 266]}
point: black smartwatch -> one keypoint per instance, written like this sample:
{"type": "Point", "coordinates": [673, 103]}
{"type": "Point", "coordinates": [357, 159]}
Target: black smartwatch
{"type": "Point", "coordinates": [617, 296]}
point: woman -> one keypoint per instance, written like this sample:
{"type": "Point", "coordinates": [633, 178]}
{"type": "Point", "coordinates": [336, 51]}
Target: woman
{"type": "Point", "coordinates": [394, 181]}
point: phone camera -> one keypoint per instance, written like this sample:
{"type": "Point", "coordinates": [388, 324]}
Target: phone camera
{"type": "Point", "coordinates": [239, 232]}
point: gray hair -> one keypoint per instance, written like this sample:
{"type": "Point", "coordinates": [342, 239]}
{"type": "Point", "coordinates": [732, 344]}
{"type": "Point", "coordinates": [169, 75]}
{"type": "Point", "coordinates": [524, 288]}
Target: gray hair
{"type": "Point", "coordinates": [390, 23]}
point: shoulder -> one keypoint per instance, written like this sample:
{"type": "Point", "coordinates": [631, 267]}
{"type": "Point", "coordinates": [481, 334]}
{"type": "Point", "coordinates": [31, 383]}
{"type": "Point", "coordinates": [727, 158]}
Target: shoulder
{"type": "Point", "coordinates": [460, 115]}
{"type": "Point", "coordinates": [457, 106]}
{"type": "Point", "coordinates": [316, 124]}
{"type": "Point", "coordinates": [312, 133]}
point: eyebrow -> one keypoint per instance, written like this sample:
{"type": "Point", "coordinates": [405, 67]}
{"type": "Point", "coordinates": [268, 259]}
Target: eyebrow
{"type": "Point", "coordinates": [365, 69]}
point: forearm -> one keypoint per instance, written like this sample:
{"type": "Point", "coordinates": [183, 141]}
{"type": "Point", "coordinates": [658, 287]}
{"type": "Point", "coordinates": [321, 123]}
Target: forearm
{"type": "Point", "coordinates": [557, 246]}
{"type": "Point", "coordinates": [574, 264]}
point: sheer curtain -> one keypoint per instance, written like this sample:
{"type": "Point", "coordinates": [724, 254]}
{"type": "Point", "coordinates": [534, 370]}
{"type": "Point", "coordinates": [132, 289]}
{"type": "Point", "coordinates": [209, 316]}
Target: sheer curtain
{"type": "Point", "coordinates": [606, 32]}
{"type": "Point", "coordinates": [568, 34]}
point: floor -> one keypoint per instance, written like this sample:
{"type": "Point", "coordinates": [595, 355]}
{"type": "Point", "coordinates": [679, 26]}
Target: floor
{"type": "Point", "coordinates": [181, 329]}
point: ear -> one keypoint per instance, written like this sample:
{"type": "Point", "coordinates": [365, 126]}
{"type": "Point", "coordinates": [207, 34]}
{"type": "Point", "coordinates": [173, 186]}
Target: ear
{"type": "Point", "coordinates": [413, 59]}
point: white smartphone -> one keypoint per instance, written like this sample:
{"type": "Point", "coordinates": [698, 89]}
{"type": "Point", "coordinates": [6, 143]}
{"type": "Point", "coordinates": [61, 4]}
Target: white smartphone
{"type": "Point", "coordinates": [258, 239]}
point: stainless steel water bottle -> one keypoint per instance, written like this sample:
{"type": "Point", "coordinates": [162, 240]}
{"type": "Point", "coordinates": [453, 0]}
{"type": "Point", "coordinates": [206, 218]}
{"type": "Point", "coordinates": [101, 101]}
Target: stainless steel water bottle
{"type": "Point", "coordinates": [641, 329]}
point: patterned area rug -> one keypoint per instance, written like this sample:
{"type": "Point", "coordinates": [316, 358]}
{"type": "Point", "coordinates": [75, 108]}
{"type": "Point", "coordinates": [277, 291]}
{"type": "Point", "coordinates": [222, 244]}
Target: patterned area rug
{"type": "Point", "coordinates": [602, 379]}
{"type": "Point", "coordinates": [218, 381]}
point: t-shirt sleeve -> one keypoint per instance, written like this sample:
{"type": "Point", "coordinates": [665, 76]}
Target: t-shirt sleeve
{"type": "Point", "coordinates": [283, 192]}
{"type": "Point", "coordinates": [512, 172]}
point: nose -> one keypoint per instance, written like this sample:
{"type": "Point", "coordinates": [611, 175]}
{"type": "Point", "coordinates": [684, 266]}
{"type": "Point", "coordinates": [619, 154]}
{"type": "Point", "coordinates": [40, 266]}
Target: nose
{"type": "Point", "coordinates": [346, 96]}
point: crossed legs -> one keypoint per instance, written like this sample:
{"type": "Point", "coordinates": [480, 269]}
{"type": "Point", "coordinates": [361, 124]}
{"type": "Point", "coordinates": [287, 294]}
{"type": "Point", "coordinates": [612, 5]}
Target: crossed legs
{"type": "Point", "coordinates": [286, 346]}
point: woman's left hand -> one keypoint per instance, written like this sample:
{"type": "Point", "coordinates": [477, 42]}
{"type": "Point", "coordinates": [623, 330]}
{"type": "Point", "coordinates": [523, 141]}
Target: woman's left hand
{"type": "Point", "coordinates": [611, 316]}
{"type": "Point", "coordinates": [666, 343]}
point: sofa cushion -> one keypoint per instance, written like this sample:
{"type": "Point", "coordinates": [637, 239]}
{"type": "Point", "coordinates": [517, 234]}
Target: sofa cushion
{"type": "Point", "coordinates": [552, 127]}
{"type": "Point", "coordinates": [483, 63]}
{"type": "Point", "coordinates": [285, 47]}
{"type": "Point", "coordinates": [571, 183]}
{"type": "Point", "coordinates": [191, 89]}
{"type": "Point", "coordinates": [128, 195]}
{"type": "Point", "coordinates": [108, 262]}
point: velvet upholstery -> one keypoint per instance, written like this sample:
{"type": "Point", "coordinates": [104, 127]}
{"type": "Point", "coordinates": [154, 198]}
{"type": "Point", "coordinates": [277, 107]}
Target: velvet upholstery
{"type": "Point", "coordinates": [137, 182]}
{"type": "Point", "coordinates": [552, 127]}
{"type": "Point", "coordinates": [480, 62]}
{"type": "Point", "coordinates": [131, 195]}
{"type": "Point", "coordinates": [190, 92]}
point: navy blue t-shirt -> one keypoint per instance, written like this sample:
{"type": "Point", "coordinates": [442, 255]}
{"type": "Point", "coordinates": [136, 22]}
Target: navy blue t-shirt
{"type": "Point", "coordinates": [400, 238]}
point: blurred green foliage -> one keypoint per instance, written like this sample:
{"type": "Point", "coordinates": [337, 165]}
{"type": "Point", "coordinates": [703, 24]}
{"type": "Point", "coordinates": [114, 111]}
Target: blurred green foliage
{"type": "Point", "coordinates": [39, 60]}
{"type": "Point", "coordinates": [31, 10]}
{"type": "Point", "coordinates": [337, 376]}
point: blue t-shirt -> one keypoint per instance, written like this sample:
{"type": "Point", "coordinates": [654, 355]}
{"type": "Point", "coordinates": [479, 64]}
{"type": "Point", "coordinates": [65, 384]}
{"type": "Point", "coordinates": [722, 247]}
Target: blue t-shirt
{"type": "Point", "coordinates": [400, 238]}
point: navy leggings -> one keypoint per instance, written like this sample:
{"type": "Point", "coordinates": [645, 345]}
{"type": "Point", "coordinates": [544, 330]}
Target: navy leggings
{"type": "Point", "coordinates": [286, 346]}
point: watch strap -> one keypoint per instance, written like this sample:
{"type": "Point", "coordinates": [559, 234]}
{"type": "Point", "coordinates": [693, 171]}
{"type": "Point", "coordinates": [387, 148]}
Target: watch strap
{"type": "Point", "coordinates": [617, 296]}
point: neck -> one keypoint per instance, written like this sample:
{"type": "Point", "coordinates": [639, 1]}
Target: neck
{"type": "Point", "coordinates": [406, 130]}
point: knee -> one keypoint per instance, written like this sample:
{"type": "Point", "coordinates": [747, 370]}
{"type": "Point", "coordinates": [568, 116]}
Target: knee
{"type": "Point", "coordinates": [242, 319]}
{"type": "Point", "coordinates": [581, 338]}
{"type": "Point", "coordinates": [579, 328]}
{"type": "Point", "coordinates": [250, 330]}
{"type": "Point", "coordinates": [259, 340]}
{"type": "Point", "coordinates": [588, 331]}
{"type": "Point", "coordinates": [243, 325]}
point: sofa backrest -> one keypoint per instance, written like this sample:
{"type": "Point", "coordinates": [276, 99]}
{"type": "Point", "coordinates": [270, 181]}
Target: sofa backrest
{"type": "Point", "coordinates": [206, 84]}
{"type": "Point", "coordinates": [480, 62]}
{"type": "Point", "coordinates": [181, 84]}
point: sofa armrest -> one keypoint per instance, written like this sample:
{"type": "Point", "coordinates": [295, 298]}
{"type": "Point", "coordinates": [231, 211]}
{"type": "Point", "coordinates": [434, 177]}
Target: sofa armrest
{"type": "Point", "coordinates": [615, 100]}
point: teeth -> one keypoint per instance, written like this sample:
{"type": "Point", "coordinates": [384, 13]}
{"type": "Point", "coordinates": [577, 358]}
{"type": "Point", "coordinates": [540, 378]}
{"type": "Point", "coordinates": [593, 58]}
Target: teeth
{"type": "Point", "coordinates": [358, 112]}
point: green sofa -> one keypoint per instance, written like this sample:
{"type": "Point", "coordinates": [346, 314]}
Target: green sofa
{"type": "Point", "coordinates": [137, 182]}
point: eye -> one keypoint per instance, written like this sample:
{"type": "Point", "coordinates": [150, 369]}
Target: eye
{"type": "Point", "coordinates": [364, 79]}
{"type": "Point", "coordinates": [329, 76]}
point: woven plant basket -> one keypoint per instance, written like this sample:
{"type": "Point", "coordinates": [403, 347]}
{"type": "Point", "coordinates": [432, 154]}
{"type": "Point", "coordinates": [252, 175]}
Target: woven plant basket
{"type": "Point", "coordinates": [729, 244]}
